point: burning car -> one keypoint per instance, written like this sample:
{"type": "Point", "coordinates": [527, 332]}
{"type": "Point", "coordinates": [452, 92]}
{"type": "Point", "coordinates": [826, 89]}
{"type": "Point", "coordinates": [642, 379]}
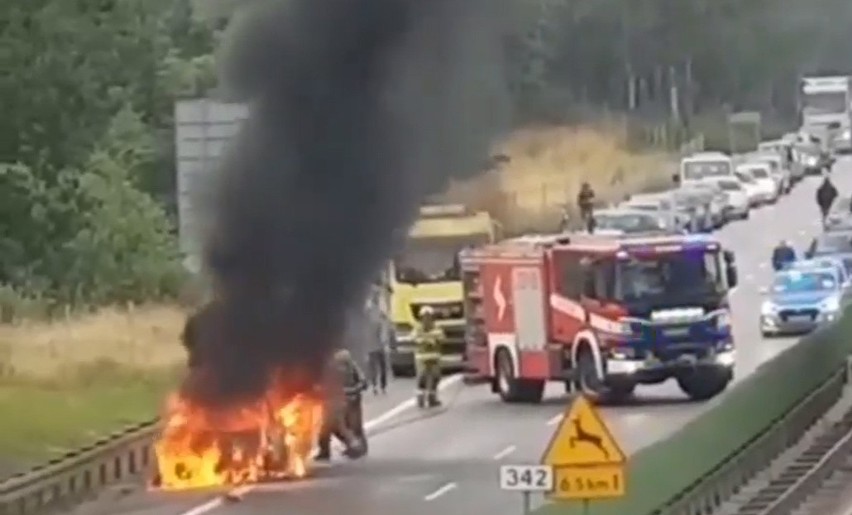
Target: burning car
{"type": "Point", "coordinates": [270, 439]}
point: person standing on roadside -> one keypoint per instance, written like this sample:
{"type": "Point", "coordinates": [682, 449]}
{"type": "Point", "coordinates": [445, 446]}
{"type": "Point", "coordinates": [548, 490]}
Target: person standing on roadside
{"type": "Point", "coordinates": [379, 334]}
{"type": "Point", "coordinates": [585, 204]}
{"type": "Point", "coordinates": [826, 194]}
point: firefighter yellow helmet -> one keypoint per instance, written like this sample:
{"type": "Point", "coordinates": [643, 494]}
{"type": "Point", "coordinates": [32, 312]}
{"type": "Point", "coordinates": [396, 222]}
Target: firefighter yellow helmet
{"type": "Point", "coordinates": [342, 355]}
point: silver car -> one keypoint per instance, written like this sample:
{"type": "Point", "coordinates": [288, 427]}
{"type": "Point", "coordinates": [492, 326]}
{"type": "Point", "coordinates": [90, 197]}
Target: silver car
{"type": "Point", "coordinates": [661, 204]}
{"type": "Point", "coordinates": [631, 221]}
{"type": "Point", "coordinates": [712, 195]}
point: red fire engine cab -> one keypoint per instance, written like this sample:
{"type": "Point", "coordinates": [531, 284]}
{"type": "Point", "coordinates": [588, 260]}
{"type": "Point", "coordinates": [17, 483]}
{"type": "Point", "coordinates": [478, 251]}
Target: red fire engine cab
{"type": "Point", "coordinates": [600, 313]}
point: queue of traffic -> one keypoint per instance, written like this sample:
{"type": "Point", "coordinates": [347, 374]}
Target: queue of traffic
{"type": "Point", "coordinates": [713, 189]}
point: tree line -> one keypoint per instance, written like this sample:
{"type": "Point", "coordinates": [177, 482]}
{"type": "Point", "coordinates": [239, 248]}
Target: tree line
{"type": "Point", "coordinates": [87, 200]}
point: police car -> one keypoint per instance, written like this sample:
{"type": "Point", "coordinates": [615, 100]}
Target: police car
{"type": "Point", "coordinates": [803, 297]}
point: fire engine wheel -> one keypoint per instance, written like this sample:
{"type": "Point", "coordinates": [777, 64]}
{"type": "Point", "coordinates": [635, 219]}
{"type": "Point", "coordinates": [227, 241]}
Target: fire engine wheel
{"type": "Point", "coordinates": [704, 383]}
{"type": "Point", "coordinates": [509, 387]}
{"type": "Point", "coordinates": [588, 382]}
{"type": "Point", "coordinates": [594, 387]}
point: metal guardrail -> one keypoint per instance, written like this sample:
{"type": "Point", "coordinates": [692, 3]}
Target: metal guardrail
{"type": "Point", "coordinates": [730, 476]}
{"type": "Point", "coordinates": [82, 473]}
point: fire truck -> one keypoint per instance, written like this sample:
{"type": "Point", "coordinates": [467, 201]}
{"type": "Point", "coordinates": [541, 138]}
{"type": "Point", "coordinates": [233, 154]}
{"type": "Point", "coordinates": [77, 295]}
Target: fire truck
{"type": "Point", "coordinates": [600, 313]}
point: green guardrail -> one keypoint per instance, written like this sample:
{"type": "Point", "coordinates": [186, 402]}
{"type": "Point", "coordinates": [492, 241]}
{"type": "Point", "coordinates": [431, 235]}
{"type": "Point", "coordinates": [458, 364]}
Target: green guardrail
{"type": "Point", "coordinates": [660, 473]}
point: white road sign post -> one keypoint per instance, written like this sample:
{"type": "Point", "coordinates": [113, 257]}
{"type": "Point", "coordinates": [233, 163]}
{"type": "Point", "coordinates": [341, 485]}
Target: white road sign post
{"type": "Point", "coordinates": [526, 479]}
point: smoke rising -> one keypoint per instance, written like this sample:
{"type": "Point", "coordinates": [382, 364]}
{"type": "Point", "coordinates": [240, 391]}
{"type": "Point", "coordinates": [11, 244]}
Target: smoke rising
{"type": "Point", "coordinates": [359, 109]}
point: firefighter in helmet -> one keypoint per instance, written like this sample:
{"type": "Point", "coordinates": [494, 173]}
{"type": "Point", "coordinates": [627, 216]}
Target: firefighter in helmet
{"type": "Point", "coordinates": [427, 358]}
{"type": "Point", "coordinates": [344, 385]}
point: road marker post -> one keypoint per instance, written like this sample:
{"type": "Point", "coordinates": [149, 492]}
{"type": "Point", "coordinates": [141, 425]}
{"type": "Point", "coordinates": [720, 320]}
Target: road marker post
{"type": "Point", "coordinates": [588, 464]}
{"type": "Point", "coordinates": [526, 479]}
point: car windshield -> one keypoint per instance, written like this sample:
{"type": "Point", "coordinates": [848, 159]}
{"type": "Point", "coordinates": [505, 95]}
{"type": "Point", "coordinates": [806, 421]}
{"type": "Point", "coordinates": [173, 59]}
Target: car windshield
{"type": "Point", "coordinates": [745, 177]}
{"type": "Point", "coordinates": [802, 281]}
{"type": "Point", "coordinates": [628, 222]}
{"type": "Point", "coordinates": [429, 260]}
{"type": "Point", "coordinates": [731, 185]}
{"type": "Point", "coordinates": [660, 278]}
{"type": "Point", "coordinates": [695, 170]}
{"type": "Point", "coordinates": [759, 173]}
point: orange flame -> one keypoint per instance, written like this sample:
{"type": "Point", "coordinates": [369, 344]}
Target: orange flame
{"type": "Point", "coordinates": [270, 439]}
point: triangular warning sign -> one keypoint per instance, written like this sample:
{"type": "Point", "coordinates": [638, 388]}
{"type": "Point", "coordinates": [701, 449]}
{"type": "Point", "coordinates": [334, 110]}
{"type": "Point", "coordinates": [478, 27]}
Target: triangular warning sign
{"type": "Point", "coordinates": [582, 438]}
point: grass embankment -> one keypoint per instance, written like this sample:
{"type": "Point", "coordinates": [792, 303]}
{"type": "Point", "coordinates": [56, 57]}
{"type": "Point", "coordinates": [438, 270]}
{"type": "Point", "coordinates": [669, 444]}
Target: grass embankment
{"type": "Point", "coordinates": [546, 167]}
{"type": "Point", "coordinates": [64, 384]}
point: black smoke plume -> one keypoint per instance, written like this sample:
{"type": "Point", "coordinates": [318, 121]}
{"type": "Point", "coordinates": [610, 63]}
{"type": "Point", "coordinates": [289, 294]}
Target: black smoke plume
{"type": "Point", "coordinates": [359, 109]}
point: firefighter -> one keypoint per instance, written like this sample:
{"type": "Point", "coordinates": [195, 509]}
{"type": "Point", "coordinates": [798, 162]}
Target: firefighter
{"type": "Point", "coordinates": [343, 417]}
{"type": "Point", "coordinates": [585, 203]}
{"type": "Point", "coordinates": [427, 358]}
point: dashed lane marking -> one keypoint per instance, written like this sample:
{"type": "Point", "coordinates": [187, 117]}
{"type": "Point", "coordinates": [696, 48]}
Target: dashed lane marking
{"type": "Point", "coordinates": [449, 487]}
{"type": "Point", "coordinates": [505, 452]}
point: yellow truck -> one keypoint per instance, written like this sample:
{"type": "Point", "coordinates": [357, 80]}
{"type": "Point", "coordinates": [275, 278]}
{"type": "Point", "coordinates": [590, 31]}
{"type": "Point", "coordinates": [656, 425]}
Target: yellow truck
{"type": "Point", "coordinates": [425, 272]}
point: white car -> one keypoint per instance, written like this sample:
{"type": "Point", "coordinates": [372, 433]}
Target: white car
{"type": "Point", "coordinates": [738, 203]}
{"type": "Point", "coordinates": [764, 186]}
{"type": "Point", "coordinates": [777, 171]}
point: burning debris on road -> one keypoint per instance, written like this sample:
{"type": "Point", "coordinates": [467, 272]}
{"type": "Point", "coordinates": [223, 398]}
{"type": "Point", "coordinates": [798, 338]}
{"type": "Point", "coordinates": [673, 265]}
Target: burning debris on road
{"type": "Point", "coordinates": [359, 109]}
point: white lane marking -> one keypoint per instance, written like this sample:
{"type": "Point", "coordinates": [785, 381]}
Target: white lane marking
{"type": "Point", "coordinates": [749, 278]}
{"type": "Point", "coordinates": [218, 502]}
{"type": "Point", "coordinates": [555, 420]}
{"type": "Point", "coordinates": [505, 452]}
{"type": "Point", "coordinates": [449, 487]}
{"type": "Point", "coordinates": [408, 404]}
{"type": "Point", "coordinates": [802, 232]}
{"type": "Point", "coordinates": [762, 266]}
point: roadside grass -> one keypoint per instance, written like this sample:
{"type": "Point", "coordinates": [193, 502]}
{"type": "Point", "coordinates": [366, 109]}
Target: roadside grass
{"type": "Point", "coordinates": [64, 384]}
{"type": "Point", "coordinates": [548, 164]}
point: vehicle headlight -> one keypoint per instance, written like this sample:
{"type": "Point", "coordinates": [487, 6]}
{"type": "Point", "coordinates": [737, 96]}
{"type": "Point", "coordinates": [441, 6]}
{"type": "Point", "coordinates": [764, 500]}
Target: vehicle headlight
{"type": "Point", "coordinates": [623, 327]}
{"type": "Point", "coordinates": [847, 134]}
{"type": "Point", "coordinates": [768, 308]}
{"type": "Point", "coordinates": [830, 305]}
{"type": "Point", "coordinates": [723, 320]}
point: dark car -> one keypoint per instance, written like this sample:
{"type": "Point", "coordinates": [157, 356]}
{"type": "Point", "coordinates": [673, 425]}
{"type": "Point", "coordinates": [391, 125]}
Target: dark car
{"type": "Point", "coordinates": [840, 215]}
{"type": "Point", "coordinates": [833, 243]}
{"type": "Point", "coordinates": [630, 221]}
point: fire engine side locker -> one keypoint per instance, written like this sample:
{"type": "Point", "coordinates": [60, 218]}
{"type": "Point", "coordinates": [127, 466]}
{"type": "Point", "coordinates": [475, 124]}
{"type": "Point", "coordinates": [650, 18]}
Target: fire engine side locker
{"type": "Point", "coordinates": [530, 311]}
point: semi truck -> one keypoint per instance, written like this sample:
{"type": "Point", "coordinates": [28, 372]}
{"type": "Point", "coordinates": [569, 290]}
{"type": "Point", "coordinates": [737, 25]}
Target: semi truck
{"type": "Point", "coordinates": [826, 108]}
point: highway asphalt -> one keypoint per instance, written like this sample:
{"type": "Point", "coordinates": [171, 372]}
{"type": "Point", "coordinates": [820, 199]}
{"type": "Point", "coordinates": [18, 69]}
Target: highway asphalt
{"type": "Point", "coordinates": [447, 461]}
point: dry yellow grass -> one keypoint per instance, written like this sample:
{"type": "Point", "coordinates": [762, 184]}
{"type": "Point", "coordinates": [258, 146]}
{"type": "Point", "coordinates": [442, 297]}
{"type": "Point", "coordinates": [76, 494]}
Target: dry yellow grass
{"type": "Point", "coordinates": [547, 166]}
{"type": "Point", "coordinates": [145, 338]}
{"type": "Point", "coordinates": [65, 383]}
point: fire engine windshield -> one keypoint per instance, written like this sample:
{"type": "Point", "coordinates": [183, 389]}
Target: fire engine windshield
{"type": "Point", "coordinates": [661, 279]}
{"type": "Point", "coordinates": [432, 260]}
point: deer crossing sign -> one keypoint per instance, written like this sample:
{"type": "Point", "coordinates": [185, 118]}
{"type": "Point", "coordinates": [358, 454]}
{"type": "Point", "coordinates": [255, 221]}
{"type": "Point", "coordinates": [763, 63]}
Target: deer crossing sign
{"type": "Point", "coordinates": [587, 461]}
